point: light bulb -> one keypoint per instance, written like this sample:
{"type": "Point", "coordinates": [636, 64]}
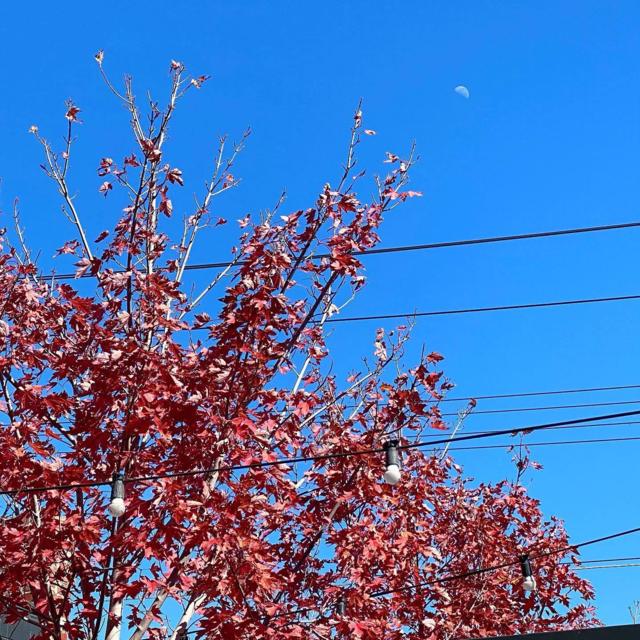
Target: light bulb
{"type": "Point", "coordinates": [392, 474]}
{"type": "Point", "coordinates": [117, 507]}
{"type": "Point", "coordinates": [391, 462]}
{"type": "Point", "coordinates": [529, 583]}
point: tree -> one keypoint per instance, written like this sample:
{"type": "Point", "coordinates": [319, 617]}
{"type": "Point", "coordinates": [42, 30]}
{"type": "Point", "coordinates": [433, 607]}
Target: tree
{"type": "Point", "coordinates": [126, 373]}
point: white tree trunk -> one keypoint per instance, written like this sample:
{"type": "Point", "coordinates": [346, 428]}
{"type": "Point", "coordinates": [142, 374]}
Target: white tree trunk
{"type": "Point", "coordinates": [185, 618]}
{"type": "Point", "coordinates": [113, 629]}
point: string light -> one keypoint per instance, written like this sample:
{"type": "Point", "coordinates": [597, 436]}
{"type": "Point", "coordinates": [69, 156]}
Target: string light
{"type": "Point", "coordinates": [117, 505]}
{"type": "Point", "coordinates": [460, 576]}
{"type": "Point", "coordinates": [318, 457]}
{"type": "Point", "coordinates": [392, 462]}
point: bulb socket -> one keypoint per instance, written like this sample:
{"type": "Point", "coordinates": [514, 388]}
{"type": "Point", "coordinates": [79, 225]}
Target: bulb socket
{"type": "Point", "coordinates": [391, 456]}
{"type": "Point", "coordinates": [117, 486]}
{"type": "Point", "coordinates": [525, 566]}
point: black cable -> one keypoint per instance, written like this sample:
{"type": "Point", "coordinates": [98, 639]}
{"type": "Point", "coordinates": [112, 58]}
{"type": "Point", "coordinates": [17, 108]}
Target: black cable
{"type": "Point", "coordinates": [509, 307]}
{"type": "Point", "coordinates": [419, 247]}
{"type": "Point", "coordinates": [454, 243]}
{"type": "Point", "coordinates": [450, 312]}
{"type": "Point", "coordinates": [458, 243]}
{"type": "Point", "coordinates": [512, 431]}
{"type": "Point", "coordinates": [523, 409]}
{"type": "Point", "coordinates": [609, 566]}
{"type": "Point", "coordinates": [316, 458]}
{"type": "Point", "coordinates": [541, 393]}
{"type": "Point", "coordinates": [512, 395]}
{"type": "Point", "coordinates": [577, 426]}
{"type": "Point", "coordinates": [603, 560]}
{"type": "Point", "coordinates": [548, 408]}
{"type": "Point", "coordinates": [547, 444]}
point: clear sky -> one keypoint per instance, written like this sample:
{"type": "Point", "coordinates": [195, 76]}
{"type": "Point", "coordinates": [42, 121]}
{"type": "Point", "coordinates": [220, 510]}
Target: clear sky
{"type": "Point", "coordinates": [549, 138]}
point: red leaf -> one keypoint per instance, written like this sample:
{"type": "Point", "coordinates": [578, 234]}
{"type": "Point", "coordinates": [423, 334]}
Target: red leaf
{"type": "Point", "coordinates": [105, 187]}
{"type": "Point", "coordinates": [72, 113]}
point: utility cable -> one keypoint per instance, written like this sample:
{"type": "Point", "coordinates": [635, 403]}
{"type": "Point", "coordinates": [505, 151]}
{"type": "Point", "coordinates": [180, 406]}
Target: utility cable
{"type": "Point", "coordinates": [577, 426]}
{"type": "Point", "coordinates": [547, 444]}
{"type": "Point", "coordinates": [541, 393]}
{"type": "Point", "coordinates": [521, 409]}
{"type": "Point", "coordinates": [610, 566]}
{"type": "Point", "coordinates": [419, 247]}
{"type": "Point", "coordinates": [549, 408]}
{"type": "Point", "coordinates": [509, 307]}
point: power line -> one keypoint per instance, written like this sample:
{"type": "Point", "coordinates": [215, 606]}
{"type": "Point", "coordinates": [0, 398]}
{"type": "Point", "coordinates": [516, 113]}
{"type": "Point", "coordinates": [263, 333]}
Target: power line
{"type": "Point", "coordinates": [315, 458]}
{"type": "Point", "coordinates": [419, 247]}
{"type": "Point", "coordinates": [512, 431]}
{"type": "Point", "coordinates": [510, 395]}
{"type": "Point", "coordinates": [547, 444]}
{"type": "Point", "coordinates": [550, 408]}
{"type": "Point", "coordinates": [515, 395]}
{"type": "Point", "coordinates": [494, 239]}
{"type": "Point", "coordinates": [454, 243]}
{"type": "Point", "coordinates": [542, 393]}
{"type": "Point", "coordinates": [525, 409]}
{"type": "Point", "coordinates": [603, 560]}
{"type": "Point", "coordinates": [577, 426]}
{"type": "Point", "coordinates": [509, 307]}
{"type": "Point", "coordinates": [610, 566]}
{"type": "Point", "coordinates": [449, 312]}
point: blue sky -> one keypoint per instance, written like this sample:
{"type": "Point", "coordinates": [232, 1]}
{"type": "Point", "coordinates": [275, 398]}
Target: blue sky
{"type": "Point", "coordinates": [549, 138]}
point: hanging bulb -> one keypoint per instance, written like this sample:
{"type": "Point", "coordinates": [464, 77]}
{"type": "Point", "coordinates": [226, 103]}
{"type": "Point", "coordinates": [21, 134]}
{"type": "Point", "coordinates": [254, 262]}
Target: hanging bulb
{"type": "Point", "coordinates": [528, 581]}
{"type": "Point", "coordinates": [392, 462]}
{"type": "Point", "coordinates": [341, 606]}
{"type": "Point", "coordinates": [117, 506]}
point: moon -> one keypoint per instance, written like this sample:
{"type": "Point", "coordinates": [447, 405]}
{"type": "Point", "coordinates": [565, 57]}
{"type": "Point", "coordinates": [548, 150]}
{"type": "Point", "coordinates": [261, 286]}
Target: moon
{"type": "Point", "coordinates": [461, 90]}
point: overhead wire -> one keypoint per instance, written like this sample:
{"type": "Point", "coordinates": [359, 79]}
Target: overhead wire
{"type": "Point", "coordinates": [542, 393]}
{"type": "Point", "coordinates": [527, 409]}
{"type": "Point", "coordinates": [623, 423]}
{"type": "Point", "coordinates": [602, 560]}
{"type": "Point", "coordinates": [447, 312]}
{"type": "Point", "coordinates": [457, 243]}
{"type": "Point", "coordinates": [610, 566]}
{"type": "Point", "coordinates": [420, 247]}
{"type": "Point", "coordinates": [548, 444]}
{"type": "Point", "coordinates": [550, 408]}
